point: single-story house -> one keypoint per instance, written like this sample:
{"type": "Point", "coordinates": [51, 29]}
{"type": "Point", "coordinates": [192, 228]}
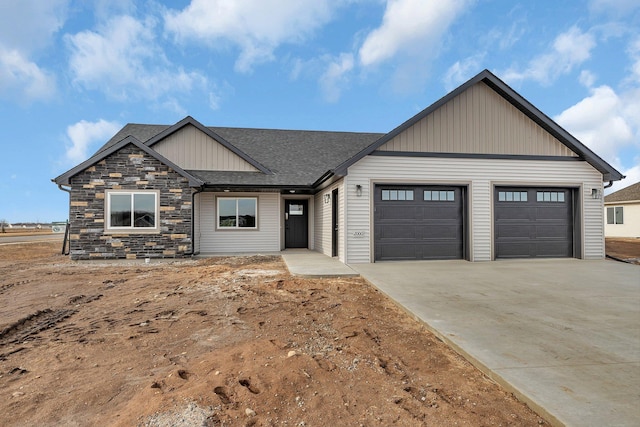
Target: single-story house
{"type": "Point", "coordinates": [622, 212]}
{"type": "Point", "coordinates": [481, 174]}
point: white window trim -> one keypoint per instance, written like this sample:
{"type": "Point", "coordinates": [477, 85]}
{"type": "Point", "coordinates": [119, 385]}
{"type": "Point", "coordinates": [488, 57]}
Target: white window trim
{"type": "Point", "coordinates": [131, 229]}
{"type": "Point", "coordinates": [236, 227]}
{"type": "Point", "coordinates": [614, 207]}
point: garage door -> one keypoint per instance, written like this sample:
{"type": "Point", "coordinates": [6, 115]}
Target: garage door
{"type": "Point", "coordinates": [533, 222]}
{"type": "Point", "coordinates": [418, 222]}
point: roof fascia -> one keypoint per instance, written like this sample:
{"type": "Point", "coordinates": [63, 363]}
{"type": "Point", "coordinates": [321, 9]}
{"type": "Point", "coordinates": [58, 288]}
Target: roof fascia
{"type": "Point", "coordinates": [193, 122]}
{"type": "Point", "coordinates": [64, 178]}
{"type": "Point", "coordinates": [515, 99]}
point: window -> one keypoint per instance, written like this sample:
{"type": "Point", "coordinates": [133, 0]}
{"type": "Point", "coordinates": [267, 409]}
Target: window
{"type": "Point", "coordinates": [237, 212]}
{"type": "Point", "coordinates": [132, 210]}
{"type": "Point", "coordinates": [397, 194]}
{"type": "Point", "coordinates": [512, 196]}
{"type": "Point", "coordinates": [615, 215]}
{"type": "Point", "coordinates": [441, 195]}
{"type": "Point", "coordinates": [550, 196]}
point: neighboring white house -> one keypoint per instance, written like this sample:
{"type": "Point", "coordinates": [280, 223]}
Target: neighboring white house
{"type": "Point", "coordinates": [622, 212]}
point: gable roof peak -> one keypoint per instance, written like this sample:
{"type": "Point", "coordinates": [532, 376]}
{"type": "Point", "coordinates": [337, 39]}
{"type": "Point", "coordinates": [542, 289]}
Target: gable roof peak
{"type": "Point", "coordinates": [609, 173]}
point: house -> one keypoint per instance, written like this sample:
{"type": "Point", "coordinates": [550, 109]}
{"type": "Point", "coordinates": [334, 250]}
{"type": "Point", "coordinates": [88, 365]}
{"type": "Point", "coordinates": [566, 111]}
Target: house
{"type": "Point", "coordinates": [479, 175]}
{"type": "Point", "coordinates": [622, 212]}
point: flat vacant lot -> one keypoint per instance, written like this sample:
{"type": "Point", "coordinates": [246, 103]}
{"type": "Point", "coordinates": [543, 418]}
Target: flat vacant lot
{"type": "Point", "coordinates": [222, 342]}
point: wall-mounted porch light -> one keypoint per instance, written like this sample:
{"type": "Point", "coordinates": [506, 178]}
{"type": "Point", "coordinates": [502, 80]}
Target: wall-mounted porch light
{"type": "Point", "coordinates": [595, 193]}
{"type": "Point", "coordinates": [358, 190]}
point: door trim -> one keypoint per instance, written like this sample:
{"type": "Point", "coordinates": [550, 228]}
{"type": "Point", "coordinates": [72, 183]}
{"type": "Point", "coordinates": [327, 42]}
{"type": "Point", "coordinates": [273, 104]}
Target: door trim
{"type": "Point", "coordinates": [305, 203]}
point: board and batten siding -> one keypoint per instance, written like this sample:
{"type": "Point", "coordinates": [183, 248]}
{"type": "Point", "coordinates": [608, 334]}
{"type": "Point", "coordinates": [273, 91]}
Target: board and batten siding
{"type": "Point", "coordinates": [192, 149]}
{"type": "Point", "coordinates": [478, 121]}
{"type": "Point", "coordinates": [323, 220]}
{"type": "Point", "coordinates": [265, 239]}
{"type": "Point", "coordinates": [481, 176]}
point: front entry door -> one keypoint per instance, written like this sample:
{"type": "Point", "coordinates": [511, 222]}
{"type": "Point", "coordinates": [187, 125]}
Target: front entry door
{"type": "Point", "coordinates": [296, 221]}
{"type": "Point", "coordinates": [334, 222]}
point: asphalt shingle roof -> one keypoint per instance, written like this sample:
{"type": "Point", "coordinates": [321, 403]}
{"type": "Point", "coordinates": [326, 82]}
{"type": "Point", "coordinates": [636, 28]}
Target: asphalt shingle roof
{"type": "Point", "coordinates": [626, 194]}
{"type": "Point", "coordinates": [296, 157]}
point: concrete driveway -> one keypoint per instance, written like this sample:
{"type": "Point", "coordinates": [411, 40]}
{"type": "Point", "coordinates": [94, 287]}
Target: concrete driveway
{"type": "Point", "coordinates": [563, 335]}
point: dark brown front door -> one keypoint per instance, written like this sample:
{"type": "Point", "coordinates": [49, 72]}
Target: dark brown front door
{"type": "Point", "coordinates": [296, 222]}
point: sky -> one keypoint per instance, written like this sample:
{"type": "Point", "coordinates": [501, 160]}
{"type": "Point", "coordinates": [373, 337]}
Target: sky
{"type": "Point", "coordinates": [72, 73]}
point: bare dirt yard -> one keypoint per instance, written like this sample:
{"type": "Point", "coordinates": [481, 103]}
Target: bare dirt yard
{"type": "Point", "coordinates": [625, 249]}
{"type": "Point", "coordinates": [222, 342]}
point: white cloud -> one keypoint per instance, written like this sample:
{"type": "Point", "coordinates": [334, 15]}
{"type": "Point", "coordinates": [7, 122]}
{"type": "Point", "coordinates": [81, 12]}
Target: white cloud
{"type": "Point", "coordinates": [569, 50]}
{"type": "Point", "coordinates": [26, 27]}
{"type": "Point", "coordinates": [409, 27]}
{"type": "Point", "coordinates": [257, 27]}
{"type": "Point", "coordinates": [606, 122]}
{"type": "Point", "coordinates": [613, 7]}
{"type": "Point", "coordinates": [22, 80]}
{"type": "Point", "coordinates": [461, 71]}
{"type": "Point", "coordinates": [335, 77]}
{"type": "Point", "coordinates": [123, 60]}
{"type": "Point", "coordinates": [587, 78]}
{"type": "Point", "coordinates": [82, 135]}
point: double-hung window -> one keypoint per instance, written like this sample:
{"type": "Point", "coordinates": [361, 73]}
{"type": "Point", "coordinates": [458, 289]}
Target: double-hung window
{"type": "Point", "coordinates": [237, 213]}
{"type": "Point", "coordinates": [132, 210]}
{"type": "Point", "coordinates": [615, 215]}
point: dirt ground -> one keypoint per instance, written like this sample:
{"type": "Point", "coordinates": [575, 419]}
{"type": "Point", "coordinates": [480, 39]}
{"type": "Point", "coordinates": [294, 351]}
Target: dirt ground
{"type": "Point", "coordinates": [222, 342]}
{"type": "Point", "coordinates": [626, 249]}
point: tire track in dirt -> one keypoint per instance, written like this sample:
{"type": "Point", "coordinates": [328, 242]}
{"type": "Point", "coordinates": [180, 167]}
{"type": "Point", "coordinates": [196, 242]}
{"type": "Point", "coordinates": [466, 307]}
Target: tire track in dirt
{"type": "Point", "coordinates": [28, 327]}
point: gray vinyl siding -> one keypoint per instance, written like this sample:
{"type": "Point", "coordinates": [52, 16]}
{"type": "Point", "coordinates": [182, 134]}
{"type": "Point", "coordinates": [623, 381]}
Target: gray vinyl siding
{"type": "Point", "coordinates": [478, 121]}
{"type": "Point", "coordinates": [265, 239]}
{"type": "Point", "coordinates": [481, 175]}
{"type": "Point", "coordinates": [191, 149]}
{"type": "Point", "coordinates": [322, 221]}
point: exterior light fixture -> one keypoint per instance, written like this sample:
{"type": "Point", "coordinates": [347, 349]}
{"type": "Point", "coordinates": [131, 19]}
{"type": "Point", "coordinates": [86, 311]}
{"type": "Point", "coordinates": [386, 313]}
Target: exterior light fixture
{"type": "Point", "coordinates": [226, 191]}
{"type": "Point", "coordinates": [327, 198]}
{"type": "Point", "coordinates": [358, 190]}
{"type": "Point", "coordinates": [292, 191]}
{"type": "Point", "coordinates": [595, 193]}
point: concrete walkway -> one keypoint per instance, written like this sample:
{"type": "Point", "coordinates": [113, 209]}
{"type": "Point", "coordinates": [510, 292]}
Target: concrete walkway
{"type": "Point", "coordinates": [306, 263]}
{"type": "Point", "coordinates": [563, 335]}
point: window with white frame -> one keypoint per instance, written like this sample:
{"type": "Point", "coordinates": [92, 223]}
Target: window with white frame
{"type": "Point", "coordinates": [615, 215]}
{"type": "Point", "coordinates": [237, 212]}
{"type": "Point", "coordinates": [132, 210]}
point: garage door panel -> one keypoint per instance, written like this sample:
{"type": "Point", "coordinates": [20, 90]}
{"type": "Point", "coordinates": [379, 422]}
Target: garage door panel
{"type": "Point", "coordinates": [395, 212]}
{"type": "Point", "coordinates": [540, 224]}
{"type": "Point", "coordinates": [515, 231]}
{"type": "Point", "coordinates": [430, 226]}
{"type": "Point", "coordinates": [557, 232]}
{"type": "Point", "coordinates": [513, 213]}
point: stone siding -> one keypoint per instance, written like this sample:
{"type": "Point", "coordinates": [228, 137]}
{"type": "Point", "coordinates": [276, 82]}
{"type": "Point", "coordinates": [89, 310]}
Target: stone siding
{"type": "Point", "coordinates": [129, 169]}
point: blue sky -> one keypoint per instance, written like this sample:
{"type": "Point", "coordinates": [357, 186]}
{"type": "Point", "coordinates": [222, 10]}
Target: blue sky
{"type": "Point", "coordinates": [74, 72]}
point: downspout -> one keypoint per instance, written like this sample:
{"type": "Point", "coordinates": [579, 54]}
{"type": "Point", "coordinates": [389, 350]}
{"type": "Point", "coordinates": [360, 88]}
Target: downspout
{"type": "Point", "coordinates": [65, 240]}
{"type": "Point", "coordinates": [608, 185]}
{"type": "Point", "coordinates": [193, 221]}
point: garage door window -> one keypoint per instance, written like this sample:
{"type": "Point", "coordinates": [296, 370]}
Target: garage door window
{"type": "Point", "coordinates": [435, 195]}
{"type": "Point", "coordinates": [550, 196]}
{"type": "Point", "coordinates": [397, 194]}
{"type": "Point", "coordinates": [512, 196]}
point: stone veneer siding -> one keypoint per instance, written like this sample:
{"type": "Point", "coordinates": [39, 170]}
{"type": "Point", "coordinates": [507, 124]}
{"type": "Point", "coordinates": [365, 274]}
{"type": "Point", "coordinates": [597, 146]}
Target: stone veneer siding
{"type": "Point", "coordinates": [129, 169]}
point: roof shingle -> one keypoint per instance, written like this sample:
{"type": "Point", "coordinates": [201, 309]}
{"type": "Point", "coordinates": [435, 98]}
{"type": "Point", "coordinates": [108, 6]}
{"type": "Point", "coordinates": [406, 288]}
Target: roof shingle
{"type": "Point", "coordinates": [627, 194]}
